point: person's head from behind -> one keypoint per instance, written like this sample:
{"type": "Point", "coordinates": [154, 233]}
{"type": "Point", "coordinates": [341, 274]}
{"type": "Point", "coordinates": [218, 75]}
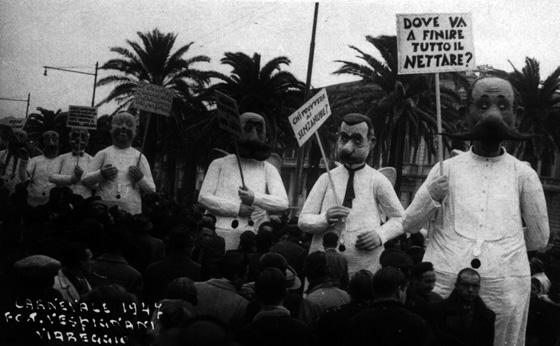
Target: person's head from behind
{"type": "Point", "coordinates": [233, 266]}
{"type": "Point", "coordinates": [467, 285]}
{"type": "Point", "coordinates": [270, 286]}
{"type": "Point", "coordinates": [264, 238]}
{"type": "Point", "coordinates": [315, 267]}
{"type": "Point", "coordinates": [182, 288]}
{"type": "Point", "coordinates": [390, 283]}
{"type": "Point", "coordinates": [361, 286]}
{"type": "Point", "coordinates": [396, 258]}
{"type": "Point", "coordinates": [76, 258]}
{"type": "Point", "coordinates": [180, 240]}
{"type": "Point", "coordinates": [247, 242]}
{"type": "Point", "coordinates": [330, 240]}
{"type": "Point", "coordinates": [423, 278]}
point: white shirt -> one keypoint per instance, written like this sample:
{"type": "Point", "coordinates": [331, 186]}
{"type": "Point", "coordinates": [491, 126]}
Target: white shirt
{"type": "Point", "coordinates": [11, 176]}
{"type": "Point", "coordinates": [219, 191]}
{"type": "Point", "coordinates": [482, 215]}
{"type": "Point", "coordinates": [39, 169]}
{"type": "Point", "coordinates": [120, 191]}
{"type": "Point", "coordinates": [65, 172]}
{"type": "Point", "coordinates": [373, 192]}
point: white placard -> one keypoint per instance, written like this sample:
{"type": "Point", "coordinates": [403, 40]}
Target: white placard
{"type": "Point", "coordinates": [154, 99]}
{"type": "Point", "coordinates": [82, 117]}
{"type": "Point", "coordinates": [309, 117]}
{"type": "Point", "coordinates": [434, 42]}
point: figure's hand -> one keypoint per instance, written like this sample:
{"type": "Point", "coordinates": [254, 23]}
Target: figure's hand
{"type": "Point", "coordinates": [23, 154]}
{"type": "Point", "coordinates": [108, 172]}
{"type": "Point", "coordinates": [335, 214]}
{"type": "Point", "coordinates": [247, 196]}
{"type": "Point", "coordinates": [78, 171]}
{"type": "Point", "coordinates": [438, 188]}
{"type": "Point", "coordinates": [368, 241]}
{"type": "Point", "coordinates": [135, 174]}
{"type": "Point", "coordinates": [245, 210]}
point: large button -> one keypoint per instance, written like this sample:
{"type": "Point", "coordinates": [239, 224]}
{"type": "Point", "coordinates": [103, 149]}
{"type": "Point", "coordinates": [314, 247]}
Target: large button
{"type": "Point", "coordinates": [475, 263]}
{"type": "Point", "coordinates": [234, 223]}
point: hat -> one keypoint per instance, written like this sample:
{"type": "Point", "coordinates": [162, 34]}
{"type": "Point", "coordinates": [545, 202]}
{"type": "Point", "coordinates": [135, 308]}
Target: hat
{"type": "Point", "coordinates": [276, 260]}
{"type": "Point", "coordinates": [395, 258]}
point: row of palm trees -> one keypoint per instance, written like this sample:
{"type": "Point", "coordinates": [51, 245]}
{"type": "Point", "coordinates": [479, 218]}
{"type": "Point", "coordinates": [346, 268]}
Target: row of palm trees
{"type": "Point", "coordinates": [403, 116]}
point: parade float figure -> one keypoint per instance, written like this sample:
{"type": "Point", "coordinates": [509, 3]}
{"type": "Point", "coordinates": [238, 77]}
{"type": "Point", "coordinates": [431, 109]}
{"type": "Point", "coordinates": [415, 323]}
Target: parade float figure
{"type": "Point", "coordinates": [40, 168]}
{"type": "Point", "coordinates": [368, 195]}
{"type": "Point", "coordinates": [13, 159]}
{"type": "Point", "coordinates": [121, 171]}
{"type": "Point", "coordinates": [239, 209]}
{"type": "Point", "coordinates": [74, 164]}
{"type": "Point", "coordinates": [476, 209]}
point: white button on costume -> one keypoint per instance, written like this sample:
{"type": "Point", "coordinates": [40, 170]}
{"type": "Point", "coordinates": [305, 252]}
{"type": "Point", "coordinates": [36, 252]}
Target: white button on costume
{"type": "Point", "coordinates": [482, 218]}
{"type": "Point", "coordinates": [219, 194]}
{"type": "Point", "coordinates": [39, 169]}
{"type": "Point", "coordinates": [65, 172]}
{"type": "Point", "coordinates": [373, 192]}
{"type": "Point", "coordinates": [120, 191]}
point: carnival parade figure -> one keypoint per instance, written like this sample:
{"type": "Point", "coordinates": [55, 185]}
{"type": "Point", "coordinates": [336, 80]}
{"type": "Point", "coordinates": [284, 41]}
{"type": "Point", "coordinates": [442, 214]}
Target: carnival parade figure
{"type": "Point", "coordinates": [13, 158]}
{"type": "Point", "coordinates": [476, 208]}
{"type": "Point", "coordinates": [366, 195]}
{"type": "Point", "coordinates": [237, 208]}
{"type": "Point", "coordinates": [40, 168]}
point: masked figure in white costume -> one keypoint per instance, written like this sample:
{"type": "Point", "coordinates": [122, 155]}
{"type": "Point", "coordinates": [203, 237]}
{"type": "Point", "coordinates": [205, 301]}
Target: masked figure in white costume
{"type": "Point", "coordinates": [476, 209]}
{"type": "Point", "coordinates": [14, 158]}
{"type": "Point", "coordinates": [366, 196]}
{"type": "Point", "coordinates": [117, 170]}
{"type": "Point", "coordinates": [237, 209]}
{"type": "Point", "coordinates": [40, 168]}
{"type": "Point", "coordinates": [74, 164]}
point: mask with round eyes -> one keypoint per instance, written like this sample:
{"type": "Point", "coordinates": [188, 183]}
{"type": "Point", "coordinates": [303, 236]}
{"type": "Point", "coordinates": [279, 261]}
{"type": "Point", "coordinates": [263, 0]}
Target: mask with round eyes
{"type": "Point", "coordinates": [123, 129]}
{"type": "Point", "coordinates": [253, 134]}
{"type": "Point", "coordinates": [79, 140]}
{"type": "Point", "coordinates": [50, 144]}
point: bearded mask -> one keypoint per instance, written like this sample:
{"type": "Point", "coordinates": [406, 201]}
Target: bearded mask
{"type": "Point", "coordinates": [123, 129]}
{"type": "Point", "coordinates": [50, 144]}
{"type": "Point", "coordinates": [253, 133]}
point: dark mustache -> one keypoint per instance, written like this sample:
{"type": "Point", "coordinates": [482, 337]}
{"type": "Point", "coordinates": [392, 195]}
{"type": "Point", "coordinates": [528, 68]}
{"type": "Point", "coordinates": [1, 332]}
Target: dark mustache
{"type": "Point", "coordinates": [490, 129]}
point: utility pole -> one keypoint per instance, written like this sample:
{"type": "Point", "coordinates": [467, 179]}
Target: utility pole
{"type": "Point", "coordinates": [300, 162]}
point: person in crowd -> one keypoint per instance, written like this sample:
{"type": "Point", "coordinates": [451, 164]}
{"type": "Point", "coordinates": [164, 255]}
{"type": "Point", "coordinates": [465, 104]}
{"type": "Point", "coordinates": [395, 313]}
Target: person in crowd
{"type": "Point", "coordinates": [422, 282]}
{"type": "Point", "coordinates": [336, 263]}
{"type": "Point", "coordinates": [74, 164]}
{"type": "Point", "coordinates": [112, 268]}
{"type": "Point", "coordinates": [176, 264]}
{"type": "Point", "coordinates": [71, 280]}
{"type": "Point", "coordinates": [289, 246]}
{"type": "Point", "coordinates": [396, 258]}
{"type": "Point", "coordinates": [462, 318]}
{"type": "Point", "coordinates": [333, 326]}
{"type": "Point", "coordinates": [322, 294]}
{"type": "Point", "coordinates": [13, 159]}
{"type": "Point", "coordinates": [218, 297]}
{"type": "Point", "coordinates": [40, 168]}
{"type": "Point", "coordinates": [120, 170]}
{"type": "Point", "coordinates": [387, 322]}
{"type": "Point", "coordinates": [34, 277]}
{"type": "Point", "coordinates": [209, 250]}
{"type": "Point", "coordinates": [475, 206]}
{"type": "Point", "coordinates": [240, 206]}
{"type": "Point", "coordinates": [544, 314]}
{"type": "Point", "coordinates": [142, 249]}
{"type": "Point", "coordinates": [273, 325]}
{"type": "Point", "coordinates": [365, 194]}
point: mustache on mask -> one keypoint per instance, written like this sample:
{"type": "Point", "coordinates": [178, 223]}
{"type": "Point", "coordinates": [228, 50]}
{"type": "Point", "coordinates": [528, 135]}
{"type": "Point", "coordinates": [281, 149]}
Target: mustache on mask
{"type": "Point", "coordinates": [348, 157]}
{"type": "Point", "coordinates": [252, 149]}
{"type": "Point", "coordinates": [490, 129]}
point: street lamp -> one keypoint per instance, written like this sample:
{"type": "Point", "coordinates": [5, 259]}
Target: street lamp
{"type": "Point", "coordinates": [80, 72]}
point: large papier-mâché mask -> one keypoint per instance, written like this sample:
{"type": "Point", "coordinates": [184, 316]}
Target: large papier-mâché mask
{"type": "Point", "coordinates": [252, 143]}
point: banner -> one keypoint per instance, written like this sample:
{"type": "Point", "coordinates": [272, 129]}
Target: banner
{"type": "Point", "coordinates": [309, 117]}
{"type": "Point", "coordinates": [228, 114]}
{"type": "Point", "coordinates": [13, 122]}
{"type": "Point", "coordinates": [81, 117]}
{"type": "Point", "coordinates": [154, 99]}
{"type": "Point", "coordinates": [430, 43]}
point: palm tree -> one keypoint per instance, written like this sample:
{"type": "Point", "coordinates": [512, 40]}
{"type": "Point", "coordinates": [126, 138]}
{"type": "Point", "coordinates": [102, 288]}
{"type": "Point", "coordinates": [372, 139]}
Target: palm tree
{"type": "Point", "coordinates": [47, 120]}
{"type": "Point", "coordinates": [541, 101]}
{"type": "Point", "coordinates": [153, 60]}
{"type": "Point", "coordinates": [405, 114]}
{"type": "Point", "coordinates": [266, 89]}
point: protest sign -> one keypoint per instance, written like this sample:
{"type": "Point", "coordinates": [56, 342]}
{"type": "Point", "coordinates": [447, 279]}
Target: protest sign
{"type": "Point", "coordinates": [228, 114]}
{"type": "Point", "coordinates": [154, 99]}
{"type": "Point", "coordinates": [81, 117]}
{"type": "Point", "coordinates": [13, 123]}
{"type": "Point", "coordinates": [434, 42]}
{"type": "Point", "coordinates": [309, 117]}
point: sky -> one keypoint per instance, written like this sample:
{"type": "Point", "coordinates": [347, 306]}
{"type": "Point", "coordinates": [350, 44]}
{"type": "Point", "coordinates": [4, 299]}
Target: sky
{"type": "Point", "coordinates": [78, 34]}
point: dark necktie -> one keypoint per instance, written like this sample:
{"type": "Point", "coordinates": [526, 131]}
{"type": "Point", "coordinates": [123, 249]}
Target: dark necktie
{"type": "Point", "coordinates": [350, 195]}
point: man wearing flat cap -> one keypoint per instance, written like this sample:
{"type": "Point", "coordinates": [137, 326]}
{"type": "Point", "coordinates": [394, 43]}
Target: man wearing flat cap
{"type": "Point", "coordinates": [238, 209]}
{"type": "Point", "coordinates": [366, 195]}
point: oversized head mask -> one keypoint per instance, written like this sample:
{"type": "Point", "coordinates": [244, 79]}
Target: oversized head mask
{"type": "Point", "coordinates": [491, 113]}
{"type": "Point", "coordinates": [123, 129]}
{"type": "Point", "coordinates": [253, 137]}
{"type": "Point", "coordinates": [79, 140]}
{"type": "Point", "coordinates": [355, 138]}
{"type": "Point", "coordinates": [50, 144]}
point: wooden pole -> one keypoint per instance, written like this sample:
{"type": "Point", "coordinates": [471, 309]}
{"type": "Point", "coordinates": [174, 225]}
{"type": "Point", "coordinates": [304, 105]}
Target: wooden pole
{"type": "Point", "coordinates": [239, 165]}
{"type": "Point", "coordinates": [331, 183]}
{"type": "Point", "coordinates": [439, 127]}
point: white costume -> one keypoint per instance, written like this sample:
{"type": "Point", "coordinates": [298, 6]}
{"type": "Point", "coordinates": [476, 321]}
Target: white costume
{"type": "Point", "coordinates": [372, 190]}
{"type": "Point", "coordinates": [219, 194]}
{"type": "Point", "coordinates": [120, 191]}
{"type": "Point", "coordinates": [481, 218]}
{"type": "Point", "coordinates": [9, 174]}
{"type": "Point", "coordinates": [39, 169]}
{"type": "Point", "coordinates": [65, 172]}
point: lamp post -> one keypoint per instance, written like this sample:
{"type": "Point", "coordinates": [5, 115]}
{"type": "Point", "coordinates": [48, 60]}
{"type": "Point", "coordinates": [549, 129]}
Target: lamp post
{"type": "Point", "coordinates": [80, 72]}
{"type": "Point", "coordinates": [20, 100]}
